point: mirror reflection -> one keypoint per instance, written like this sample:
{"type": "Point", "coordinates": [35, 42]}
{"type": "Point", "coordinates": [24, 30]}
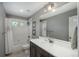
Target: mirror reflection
{"type": "Point", "coordinates": [62, 27]}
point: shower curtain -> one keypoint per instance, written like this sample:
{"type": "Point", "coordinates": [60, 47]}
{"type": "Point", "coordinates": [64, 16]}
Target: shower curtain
{"type": "Point", "coordinates": [74, 40]}
{"type": "Point", "coordinates": [8, 37]}
{"type": "Point", "coordinates": [73, 31]}
{"type": "Point", "coordinates": [16, 35]}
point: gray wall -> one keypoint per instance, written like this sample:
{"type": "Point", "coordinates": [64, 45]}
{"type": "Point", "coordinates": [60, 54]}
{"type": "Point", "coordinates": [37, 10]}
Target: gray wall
{"type": "Point", "coordinates": [58, 26]}
{"type": "Point", "coordinates": [2, 16]}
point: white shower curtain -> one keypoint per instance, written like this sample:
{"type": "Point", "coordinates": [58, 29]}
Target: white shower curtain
{"type": "Point", "coordinates": [16, 37]}
{"type": "Point", "coordinates": [73, 31]}
{"type": "Point", "coordinates": [8, 37]}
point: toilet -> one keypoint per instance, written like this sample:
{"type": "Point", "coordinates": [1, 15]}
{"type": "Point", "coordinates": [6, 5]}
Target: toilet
{"type": "Point", "coordinates": [25, 47]}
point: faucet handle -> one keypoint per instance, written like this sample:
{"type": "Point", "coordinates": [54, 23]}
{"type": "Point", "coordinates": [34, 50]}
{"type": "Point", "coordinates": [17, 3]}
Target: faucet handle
{"type": "Point", "coordinates": [50, 41]}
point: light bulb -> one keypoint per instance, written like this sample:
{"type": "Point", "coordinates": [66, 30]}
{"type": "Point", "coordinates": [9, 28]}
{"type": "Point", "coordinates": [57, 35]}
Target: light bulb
{"type": "Point", "coordinates": [49, 7]}
{"type": "Point", "coordinates": [53, 10]}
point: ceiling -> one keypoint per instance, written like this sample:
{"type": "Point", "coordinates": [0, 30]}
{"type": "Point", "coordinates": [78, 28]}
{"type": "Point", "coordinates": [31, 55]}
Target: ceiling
{"type": "Point", "coordinates": [27, 9]}
{"type": "Point", "coordinates": [23, 9]}
{"type": "Point", "coordinates": [59, 4]}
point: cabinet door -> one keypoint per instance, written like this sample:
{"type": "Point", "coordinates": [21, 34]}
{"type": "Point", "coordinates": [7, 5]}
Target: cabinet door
{"type": "Point", "coordinates": [42, 53]}
{"type": "Point", "coordinates": [36, 51]}
{"type": "Point", "coordinates": [32, 50]}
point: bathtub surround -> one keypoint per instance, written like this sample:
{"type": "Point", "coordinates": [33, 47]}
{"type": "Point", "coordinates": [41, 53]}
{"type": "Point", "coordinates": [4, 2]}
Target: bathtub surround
{"type": "Point", "coordinates": [58, 26]}
{"type": "Point", "coordinates": [2, 17]}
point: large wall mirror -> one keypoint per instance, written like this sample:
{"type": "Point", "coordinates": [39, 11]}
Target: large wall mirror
{"type": "Point", "coordinates": [62, 27]}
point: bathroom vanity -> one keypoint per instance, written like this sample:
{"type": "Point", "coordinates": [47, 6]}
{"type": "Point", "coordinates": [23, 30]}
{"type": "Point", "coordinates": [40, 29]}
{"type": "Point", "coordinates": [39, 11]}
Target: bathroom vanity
{"type": "Point", "coordinates": [37, 51]}
{"type": "Point", "coordinates": [43, 48]}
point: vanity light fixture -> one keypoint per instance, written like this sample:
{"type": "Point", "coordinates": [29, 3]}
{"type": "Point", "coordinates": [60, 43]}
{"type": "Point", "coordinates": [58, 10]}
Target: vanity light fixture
{"type": "Point", "coordinates": [49, 7]}
{"type": "Point", "coordinates": [53, 10]}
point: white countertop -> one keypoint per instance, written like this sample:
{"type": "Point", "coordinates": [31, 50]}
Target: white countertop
{"type": "Point", "coordinates": [58, 48]}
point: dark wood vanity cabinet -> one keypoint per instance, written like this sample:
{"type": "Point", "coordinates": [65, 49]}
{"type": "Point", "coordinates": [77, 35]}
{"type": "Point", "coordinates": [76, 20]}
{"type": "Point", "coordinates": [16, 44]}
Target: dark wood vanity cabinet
{"type": "Point", "coordinates": [32, 50]}
{"type": "Point", "coordinates": [36, 51]}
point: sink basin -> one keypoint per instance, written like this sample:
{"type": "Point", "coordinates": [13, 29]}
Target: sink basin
{"type": "Point", "coordinates": [50, 41]}
{"type": "Point", "coordinates": [47, 40]}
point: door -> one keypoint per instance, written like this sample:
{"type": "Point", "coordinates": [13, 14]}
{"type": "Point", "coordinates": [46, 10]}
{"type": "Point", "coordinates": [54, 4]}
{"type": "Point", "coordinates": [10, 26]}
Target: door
{"type": "Point", "coordinates": [44, 28]}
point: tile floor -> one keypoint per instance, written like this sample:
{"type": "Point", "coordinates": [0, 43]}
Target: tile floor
{"type": "Point", "coordinates": [22, 53]}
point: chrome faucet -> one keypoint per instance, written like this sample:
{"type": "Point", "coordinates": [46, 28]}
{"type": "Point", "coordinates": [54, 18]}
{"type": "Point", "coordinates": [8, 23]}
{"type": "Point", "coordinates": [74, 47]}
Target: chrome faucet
{"type": "Point", "coordinates": [50, 41]}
